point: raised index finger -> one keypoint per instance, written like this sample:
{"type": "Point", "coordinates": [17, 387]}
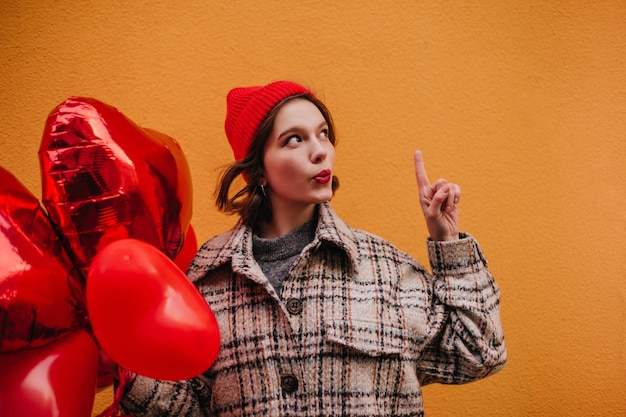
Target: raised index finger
{"type": "Point", "coordinates": [420, 171]}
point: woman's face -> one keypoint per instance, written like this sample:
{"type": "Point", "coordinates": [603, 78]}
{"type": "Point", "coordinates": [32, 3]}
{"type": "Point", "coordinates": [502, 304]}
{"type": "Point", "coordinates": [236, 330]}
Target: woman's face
{"type": "Point", "coordinates": [299, 157]}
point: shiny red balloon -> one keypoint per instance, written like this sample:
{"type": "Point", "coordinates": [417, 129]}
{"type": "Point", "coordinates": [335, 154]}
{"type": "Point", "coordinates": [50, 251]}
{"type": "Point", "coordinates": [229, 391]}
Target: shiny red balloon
{"type": "Point", "coordinates": [105, 369]}
{"type": "Point", "coordinates": [58, 379]}
{"type": "Point", "coordinates": [104, 178]}
{"type": "Point", "coordinates": [147, 315]}
{"type": "Point", "coordinates": [41, 293]}
{"type": "Point", "coordinates": [188, 251]}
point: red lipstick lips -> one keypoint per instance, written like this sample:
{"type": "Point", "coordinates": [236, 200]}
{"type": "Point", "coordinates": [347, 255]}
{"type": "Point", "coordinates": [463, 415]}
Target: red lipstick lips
{"type": "Point", "coordinates": [323, 176]}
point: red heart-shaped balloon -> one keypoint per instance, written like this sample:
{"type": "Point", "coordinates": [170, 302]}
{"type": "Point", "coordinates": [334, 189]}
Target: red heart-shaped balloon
{"type": "Point", "coordinates": [58, 379]}
{"type": "Point", "coordinates": [104, 178]}
{"type": "Point", "coordinates": [147, 315]}
{"type": "Point", "coordinates": [41, 293]}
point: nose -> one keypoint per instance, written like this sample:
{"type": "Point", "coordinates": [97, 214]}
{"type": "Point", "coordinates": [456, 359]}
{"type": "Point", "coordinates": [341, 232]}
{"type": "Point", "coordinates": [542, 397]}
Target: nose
{"type": "Point", "coordinates": [318, 151]}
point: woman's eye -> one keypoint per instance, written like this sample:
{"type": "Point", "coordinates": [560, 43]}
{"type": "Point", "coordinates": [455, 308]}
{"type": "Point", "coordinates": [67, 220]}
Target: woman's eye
{"type": "Point", "coordinates": [324, 133]}
{"type": "Point", "coordinates": [292, 140]}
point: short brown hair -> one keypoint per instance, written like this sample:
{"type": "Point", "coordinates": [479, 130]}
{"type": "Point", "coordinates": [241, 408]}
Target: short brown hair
{"type": "Point", "coordinates": [249, 201]}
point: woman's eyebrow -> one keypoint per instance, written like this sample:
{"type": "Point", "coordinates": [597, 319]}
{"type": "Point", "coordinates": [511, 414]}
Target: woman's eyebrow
{"type": "Point", "coordinates": [289, 130]}
{"type": "Point", "coordinates": [297, 128]}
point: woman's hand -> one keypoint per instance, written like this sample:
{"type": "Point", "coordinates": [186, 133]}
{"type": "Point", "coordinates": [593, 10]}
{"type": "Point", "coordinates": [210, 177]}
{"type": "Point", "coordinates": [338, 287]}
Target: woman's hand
{"type": "Point", "coordinates": [439, 203]}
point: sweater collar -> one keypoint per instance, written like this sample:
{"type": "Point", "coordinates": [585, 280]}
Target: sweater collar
{"type": "Point", "coordinates": [235, 246]}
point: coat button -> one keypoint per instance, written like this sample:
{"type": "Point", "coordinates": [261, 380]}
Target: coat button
{"type": "Point", "coordinates": [294, 306]}
{"type": "Point", "coordinates": [289, 383]}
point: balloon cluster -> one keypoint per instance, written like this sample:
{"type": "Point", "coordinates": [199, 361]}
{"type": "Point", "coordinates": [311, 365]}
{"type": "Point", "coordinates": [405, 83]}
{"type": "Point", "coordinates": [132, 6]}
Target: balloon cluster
{"type": "Point", "coordinates": [93, 275]}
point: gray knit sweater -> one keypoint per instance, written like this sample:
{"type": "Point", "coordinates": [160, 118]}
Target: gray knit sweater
{"type": "Point", "coordinates": [277, 256]}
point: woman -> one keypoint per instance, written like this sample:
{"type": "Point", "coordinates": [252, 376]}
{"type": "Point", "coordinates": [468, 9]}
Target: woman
{"type": "Point", "coordinates": [317, 318]}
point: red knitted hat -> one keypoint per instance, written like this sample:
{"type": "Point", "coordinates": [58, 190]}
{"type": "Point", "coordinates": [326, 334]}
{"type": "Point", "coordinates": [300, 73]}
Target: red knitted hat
{"type": "Point", "coordinates": [247, 107]}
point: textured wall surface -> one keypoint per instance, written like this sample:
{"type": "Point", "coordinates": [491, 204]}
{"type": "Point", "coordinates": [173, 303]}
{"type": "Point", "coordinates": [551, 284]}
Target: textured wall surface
{"type": "Point", "coordinates": [521, 102]}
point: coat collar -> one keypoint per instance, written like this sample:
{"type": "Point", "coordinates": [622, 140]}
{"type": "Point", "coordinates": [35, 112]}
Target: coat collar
{"type": "Point", "coordinates": [235, 246]}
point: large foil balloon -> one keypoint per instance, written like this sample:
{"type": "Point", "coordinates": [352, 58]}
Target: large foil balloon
{"type": "Point", "coordinates": [188, 251]}
{"type": "Point", "coordinates": [56, 380]}
{"type": "Point", "coordinates": [147, 315]}
{"type": "Point", "coordinates": [41, 293]}
{"type": "Point", "coordinates": [104, 178]}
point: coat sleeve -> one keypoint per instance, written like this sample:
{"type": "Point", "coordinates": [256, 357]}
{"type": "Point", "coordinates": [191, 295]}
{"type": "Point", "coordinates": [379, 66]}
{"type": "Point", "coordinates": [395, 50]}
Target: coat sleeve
{"type": "Point", "coordinates": [149, 397]}
{"type": "Point", "coordinates": [465, 340]}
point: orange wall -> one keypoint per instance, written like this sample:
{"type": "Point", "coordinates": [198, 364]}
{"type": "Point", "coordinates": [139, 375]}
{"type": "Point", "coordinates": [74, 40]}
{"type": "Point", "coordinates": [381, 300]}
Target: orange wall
{"type": "Point", "coordinates": [523, 103]}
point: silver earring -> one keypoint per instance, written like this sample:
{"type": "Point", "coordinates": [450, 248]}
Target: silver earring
{"type": "Point", "coordinates": [263, 190]}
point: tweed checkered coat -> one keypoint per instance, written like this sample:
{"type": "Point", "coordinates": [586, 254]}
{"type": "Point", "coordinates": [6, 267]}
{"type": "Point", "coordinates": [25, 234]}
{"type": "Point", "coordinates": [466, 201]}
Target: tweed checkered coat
{"type": "Point", "coordinates": [359, 328]}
